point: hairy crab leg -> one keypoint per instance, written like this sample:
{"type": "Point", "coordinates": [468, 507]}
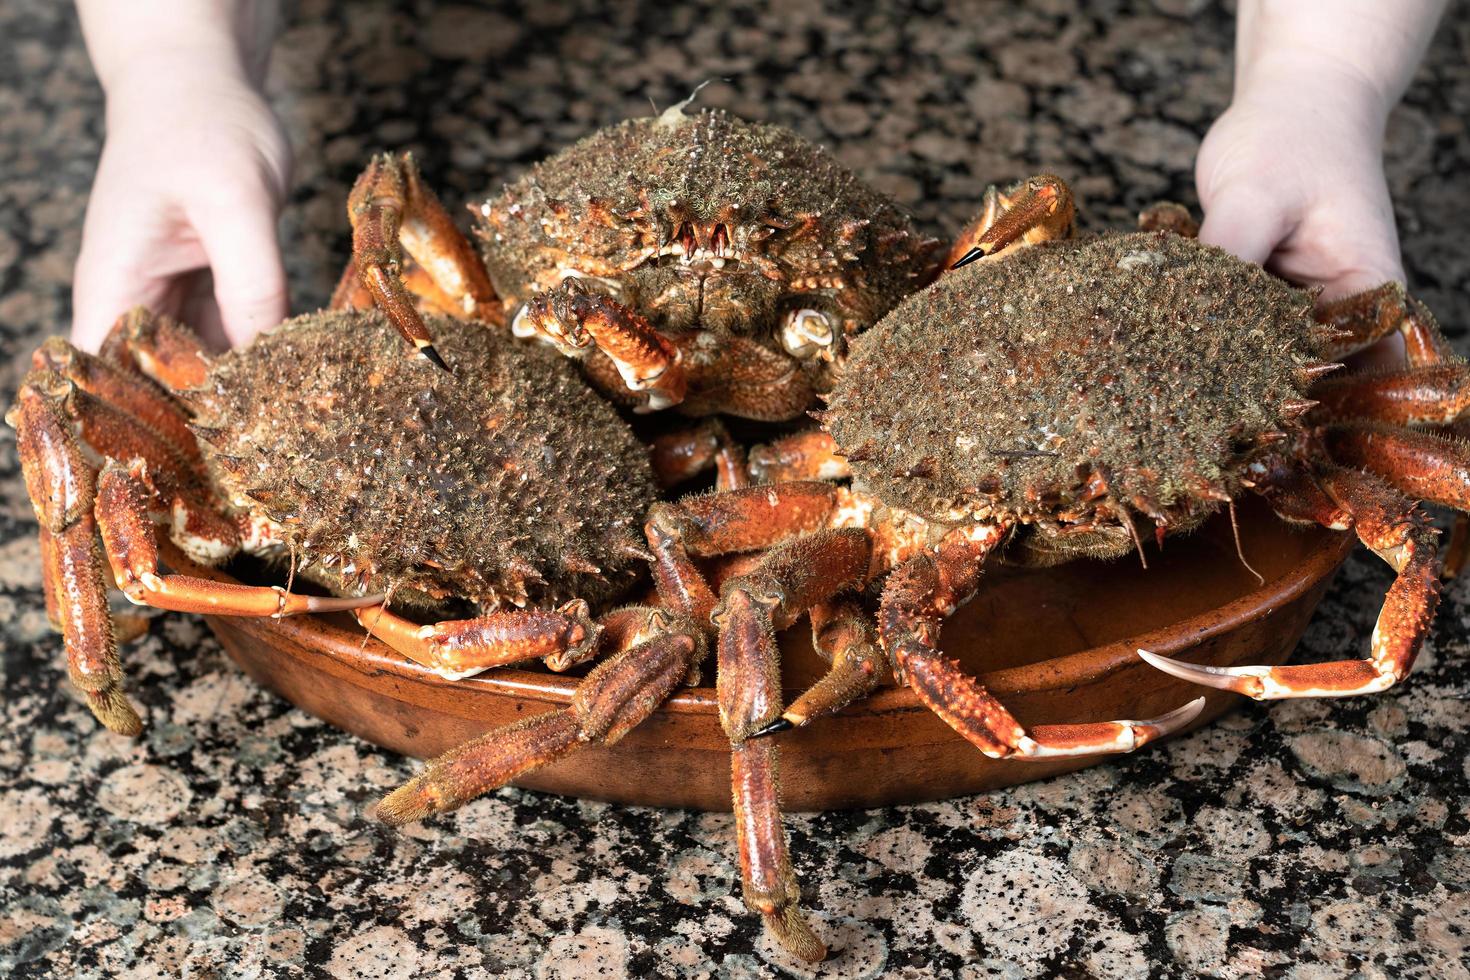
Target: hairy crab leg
{"type": "Point", "coordinates": [1040, 210]}
{"type": "Point", "coordinates": [684, 454]}
{"type": "Point", "coordinates": [578, 322]}
{"type": "Point", "coordinates": [717, 524]}
{"type": "Point", "coordinates": [992, 205]}
{"type": "Point", "coordinates": [159, 347]}
{"type": "Point", "coordinates": [62, 489]}
{"type": "Point", "coordinates": [843, 635]}
{"type": "Point", "coordinates": [1421, 464]}
{"type": "Point", "coordinates": [799, 573]}
{"type": "Point", "coordinates": [807, 455]}
{"type": "Point", "coordinates": [1368, 316]}
{"type": "Point", "coordinates": [1433, 394]}
{"type": "Point", "coordinates": [1398, 533]}
{"type": "Point", "coordinates": [130, 542]}
{"type": "Point", "coordinates": [616, 696]}
{"type": "Point", "coordinates": [1425, 465]}
{"type": "Point", "coordinates": [1365, 318]}
{"type": "Point", "coordinates": [916, 600]}
{"type": "Point", "coordinates": [131, 393]}
{"type": "Point", "coordinates": [392, 210]}
{"type": "Point", "coordinates": [464, 647]}
{"type": "Point", "coordinates": [788, 580]}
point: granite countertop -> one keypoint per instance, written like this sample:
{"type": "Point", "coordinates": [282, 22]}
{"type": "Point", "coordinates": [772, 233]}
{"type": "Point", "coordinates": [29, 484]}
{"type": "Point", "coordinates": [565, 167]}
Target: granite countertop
{"type": "Point", "coordinates": [1300, 839]}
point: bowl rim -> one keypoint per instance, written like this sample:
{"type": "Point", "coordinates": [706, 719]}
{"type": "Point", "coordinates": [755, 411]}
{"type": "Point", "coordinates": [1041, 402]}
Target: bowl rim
{"type": "Point", "coordinates": [369, 656]}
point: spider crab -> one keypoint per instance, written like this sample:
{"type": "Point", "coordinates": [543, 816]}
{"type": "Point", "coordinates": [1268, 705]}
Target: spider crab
{"type": "Point", "coordinates": [517, 499]}
{"type": "Point", "coordinates": [692, 261]}
{"type": "Point", "coordinates": [1045, 403]}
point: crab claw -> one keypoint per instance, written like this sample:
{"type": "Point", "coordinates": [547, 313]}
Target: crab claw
{"type": "Point", "coordinates": [1039, 210]}
{"type": "Point", "coordinates": [1330, 680]}
{"type": "Point", "coordinates": [972, 255]}
{"type": "Point", "coordinates": [1053, 741]}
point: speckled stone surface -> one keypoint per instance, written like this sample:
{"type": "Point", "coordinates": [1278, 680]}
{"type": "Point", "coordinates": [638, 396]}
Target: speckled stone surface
{"type": "Point", "coordinates": [1304, 839]}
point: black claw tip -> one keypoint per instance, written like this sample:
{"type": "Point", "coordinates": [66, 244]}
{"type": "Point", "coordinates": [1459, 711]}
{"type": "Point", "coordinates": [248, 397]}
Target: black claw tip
{"type": "Point", "coordinates": [428, 351]}
{"type": "Point", "coordinates": [775, 727]}
{"type": "Point", "coordinates": [968, 257]}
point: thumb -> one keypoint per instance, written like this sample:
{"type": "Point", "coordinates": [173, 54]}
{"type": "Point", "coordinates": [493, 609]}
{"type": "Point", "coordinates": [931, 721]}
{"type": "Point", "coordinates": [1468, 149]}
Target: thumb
{"type": "Point", "coordinates": [1248, 226]}
{"type": "Point", "coordinates": [245, 258]}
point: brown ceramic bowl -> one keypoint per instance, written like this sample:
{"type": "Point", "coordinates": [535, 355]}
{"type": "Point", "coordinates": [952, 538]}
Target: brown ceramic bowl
{"type": "Point", "coordinates": [1056, 646]}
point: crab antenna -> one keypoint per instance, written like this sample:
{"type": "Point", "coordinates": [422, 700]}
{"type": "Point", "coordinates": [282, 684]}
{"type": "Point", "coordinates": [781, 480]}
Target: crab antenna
{"type": "Point", "coordinates": [1240, 552]}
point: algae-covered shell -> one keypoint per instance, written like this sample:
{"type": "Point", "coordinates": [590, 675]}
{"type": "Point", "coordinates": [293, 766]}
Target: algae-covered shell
{"type": "Point", "coordinates": [605, 206]}
{"type": "Point", "coordinates": [1018, 387]}
{"type": "Point", "coordinates": [509, 481]}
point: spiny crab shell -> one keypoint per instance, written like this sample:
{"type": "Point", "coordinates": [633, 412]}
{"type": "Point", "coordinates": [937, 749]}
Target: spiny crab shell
{"type": "Point", "coordinates": [1075, 383]}
{"type": "Point", "coordinates": [522, 488]}
{"type": "Point", "coordinates": [706, 220]}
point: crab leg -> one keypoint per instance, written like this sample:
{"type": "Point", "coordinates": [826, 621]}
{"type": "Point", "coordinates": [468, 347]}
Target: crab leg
{"type": "Point", "coordinates": [1421, 464]}
{"type": "Point", "coordinates": [1365, 318]}
{"type": "Point", "coordinates": [808, 455]}
{"type": "Point", "coordinates": [463, 647]}
{"type": "Point", "coordinates": [842, 632]}
{"type": "Point", "coordinates": [992, 205]}
{"type": "Point", "coordinates": [392, 210]}
{"type": "Point", "coordinates": [615, 697]}
{"type": "Point", "coordinates": [1040, 210]}
{"type": "Point", "coordinates": [1424, 465]}
{"type": "Point", "coordinates": [789, 580]}
{"type": "Point", "coordinates": [128, 538]}
{"type": "Point", "coordinates": [1390, 525]}
{"type": "Point", "coordinates": [160, 347]}
{"type": "Point", "coordinates": [578, 322]}
{"type": "Point", "coordinates": [1434, 394]}
{"type": "Point", "coordinates": [717, 524]}
{"type": "Point", "coordinates": [112, 385]}
{"type": "Point", "coordinates": [917, 598]}
{"type": "Point", "coordinates": [62, 489]}
{"type": "Point", "coordinates": [683, 455]}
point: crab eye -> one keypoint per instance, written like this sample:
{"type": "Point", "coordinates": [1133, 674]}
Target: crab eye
{"type": "Point", "coordinates": [807, 334]}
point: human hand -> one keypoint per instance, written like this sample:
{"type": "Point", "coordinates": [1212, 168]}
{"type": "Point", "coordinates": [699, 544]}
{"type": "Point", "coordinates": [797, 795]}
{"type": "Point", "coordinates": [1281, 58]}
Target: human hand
{"type": "Point", "coordinates": [192, 178]}
{"type": "Point", "coordinates": [1291, 176]}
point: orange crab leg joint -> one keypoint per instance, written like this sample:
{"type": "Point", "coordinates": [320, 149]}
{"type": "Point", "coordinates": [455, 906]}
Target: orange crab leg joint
{"type": "Point", "coordinates": [464, 647]}
{"type": "Point", "coordinates": [128, 537]}
{"type": "Point", "coordinates": [392, 211]}
{"type": "Point", "coordinates": [808, 455]}
{"type": "Point", "coordinates": [1362, 319]}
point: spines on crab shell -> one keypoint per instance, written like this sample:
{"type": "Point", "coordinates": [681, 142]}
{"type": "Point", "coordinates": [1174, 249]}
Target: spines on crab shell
{"type": "Point", "coordinates": [1146, 361]}
{"type": "Point", "coordinates": [506, 484]}
{"type": "Point", "coordinates": [652, 189]}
